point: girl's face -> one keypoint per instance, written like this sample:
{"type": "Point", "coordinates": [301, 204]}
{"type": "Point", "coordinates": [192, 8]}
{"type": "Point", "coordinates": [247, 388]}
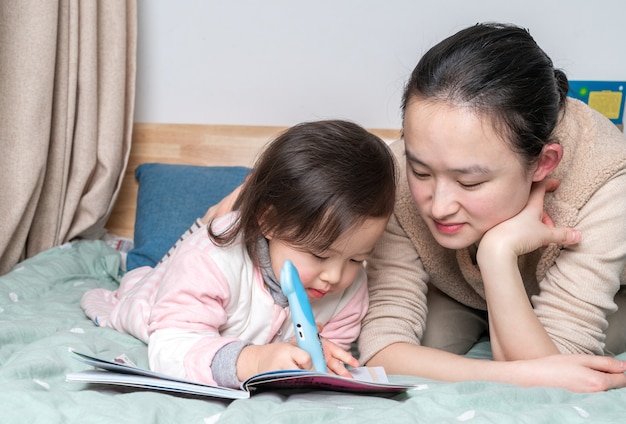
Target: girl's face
{"type": "Point", "coordinates": [463, 177]}
{"type": "Point", "coordinates": [334, 269]}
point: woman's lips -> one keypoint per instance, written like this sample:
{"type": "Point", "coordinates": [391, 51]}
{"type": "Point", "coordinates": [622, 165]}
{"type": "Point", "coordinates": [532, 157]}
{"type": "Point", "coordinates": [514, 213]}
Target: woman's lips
{"type": "Point", "coordinates": [448, 228]}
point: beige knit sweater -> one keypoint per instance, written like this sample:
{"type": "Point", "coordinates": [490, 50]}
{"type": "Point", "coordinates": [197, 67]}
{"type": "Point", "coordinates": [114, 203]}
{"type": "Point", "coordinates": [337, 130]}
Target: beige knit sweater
{"type": "Point", "coordinates": [571, 289]}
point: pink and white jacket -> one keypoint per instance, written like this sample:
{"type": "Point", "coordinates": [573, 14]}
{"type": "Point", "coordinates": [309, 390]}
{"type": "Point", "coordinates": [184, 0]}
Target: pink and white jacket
{"type": "Point", "coordinates": [204, 297]}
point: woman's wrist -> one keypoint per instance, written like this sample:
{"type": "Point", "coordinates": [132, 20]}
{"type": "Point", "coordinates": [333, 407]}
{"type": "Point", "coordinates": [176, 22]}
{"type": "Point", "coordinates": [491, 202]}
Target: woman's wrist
{"type": "Point", "coordinates": [494, 250]}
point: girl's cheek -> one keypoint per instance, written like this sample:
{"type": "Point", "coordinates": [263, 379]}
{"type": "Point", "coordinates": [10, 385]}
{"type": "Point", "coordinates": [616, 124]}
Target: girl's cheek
{"type": "Point", "coordinates": [306, 279]}
{"type": "Point", "coordinates": [348, 277]}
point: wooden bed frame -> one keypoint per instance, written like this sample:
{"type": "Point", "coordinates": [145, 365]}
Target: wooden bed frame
{"type": "Point", "coordinates": [207, 145]}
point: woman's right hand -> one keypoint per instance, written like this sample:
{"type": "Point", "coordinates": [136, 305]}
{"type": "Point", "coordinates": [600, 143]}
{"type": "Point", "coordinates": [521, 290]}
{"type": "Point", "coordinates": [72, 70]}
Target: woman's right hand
{"type": "Point", "coordinates": [574, 372]}
{"type": "Point", "coordinates": [223, 207]}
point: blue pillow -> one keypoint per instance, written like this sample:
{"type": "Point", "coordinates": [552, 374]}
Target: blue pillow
{"type": "Point", "coordinates": [170, 199]}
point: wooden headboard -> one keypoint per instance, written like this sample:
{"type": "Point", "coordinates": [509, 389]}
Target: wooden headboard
{"type": "Point", "coordinates": [207, 145]}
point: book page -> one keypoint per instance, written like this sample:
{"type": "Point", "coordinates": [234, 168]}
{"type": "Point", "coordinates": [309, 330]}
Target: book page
{"type": "Point", "coordinates": [366, 380]}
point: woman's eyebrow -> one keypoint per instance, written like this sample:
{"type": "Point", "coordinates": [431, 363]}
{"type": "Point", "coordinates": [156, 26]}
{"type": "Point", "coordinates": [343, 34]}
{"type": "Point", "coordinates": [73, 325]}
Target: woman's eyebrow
{"type": "Point", "coordinates": [472, 169]}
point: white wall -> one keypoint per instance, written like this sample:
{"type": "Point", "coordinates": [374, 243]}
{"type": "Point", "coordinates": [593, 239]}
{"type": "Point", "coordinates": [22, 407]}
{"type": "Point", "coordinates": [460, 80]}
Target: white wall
{"type": "Point", "coordinates": [279, 62]}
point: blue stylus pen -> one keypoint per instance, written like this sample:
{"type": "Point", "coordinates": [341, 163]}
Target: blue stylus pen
{"type": "Point", "coordinates": [302, 315]}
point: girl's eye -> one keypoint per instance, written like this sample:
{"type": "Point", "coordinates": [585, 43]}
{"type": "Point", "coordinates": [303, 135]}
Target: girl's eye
{"type": "Point", "coordinates": [357, 261]}
{"type": "Point", "coordinates": [319, 257]}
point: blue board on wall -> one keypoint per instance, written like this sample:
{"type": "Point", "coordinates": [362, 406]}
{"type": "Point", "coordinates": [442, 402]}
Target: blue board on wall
{"type": "Point", "coordinates": [607, 97]}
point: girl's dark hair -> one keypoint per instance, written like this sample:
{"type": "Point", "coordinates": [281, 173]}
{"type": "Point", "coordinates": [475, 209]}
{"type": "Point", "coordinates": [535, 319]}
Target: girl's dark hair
{"type": "Point", "coordinates": [500, 72]}
{"type": "Point", "coordinates": [311, 184]}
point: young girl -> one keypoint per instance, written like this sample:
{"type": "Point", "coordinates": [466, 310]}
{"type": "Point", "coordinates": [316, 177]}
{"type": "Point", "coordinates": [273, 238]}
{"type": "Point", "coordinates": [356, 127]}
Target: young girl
{"type": "Point", "coordinates": [213, 311]}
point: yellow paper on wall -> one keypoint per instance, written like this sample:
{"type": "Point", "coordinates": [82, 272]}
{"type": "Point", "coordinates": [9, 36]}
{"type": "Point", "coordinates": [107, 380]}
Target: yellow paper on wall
{"type": "Point", "coordinates": [606, 102]}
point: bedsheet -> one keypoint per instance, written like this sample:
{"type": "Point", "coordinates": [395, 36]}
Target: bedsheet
{"type": "Point", "coordinates": [41, 320]}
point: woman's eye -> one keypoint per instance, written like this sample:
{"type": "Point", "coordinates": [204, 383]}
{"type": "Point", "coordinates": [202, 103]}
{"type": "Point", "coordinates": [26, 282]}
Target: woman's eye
{"type": "Point", "coordinates": [319, 257]}
{"type": "Point", "coordinates": [357, 261]}
{"type": "Point", "coordinates": [420, 175]}
{"type": "Point", "coordinates": [469, 185]}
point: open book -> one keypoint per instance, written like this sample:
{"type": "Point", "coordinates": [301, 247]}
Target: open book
{"type": "Point", "coordinates": [367, 380]}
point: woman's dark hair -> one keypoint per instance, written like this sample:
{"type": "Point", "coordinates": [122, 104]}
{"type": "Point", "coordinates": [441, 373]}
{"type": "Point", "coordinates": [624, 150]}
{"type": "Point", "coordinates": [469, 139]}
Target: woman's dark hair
{"type": "Point", "coordinates": [311, 184]}
{"type": "Point", "coordinates": [498, 71]}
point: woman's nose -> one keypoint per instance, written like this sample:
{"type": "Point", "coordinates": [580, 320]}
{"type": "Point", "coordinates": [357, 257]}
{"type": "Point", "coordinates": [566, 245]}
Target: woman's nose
{"type": "Point", "coordinates": [443, 202]}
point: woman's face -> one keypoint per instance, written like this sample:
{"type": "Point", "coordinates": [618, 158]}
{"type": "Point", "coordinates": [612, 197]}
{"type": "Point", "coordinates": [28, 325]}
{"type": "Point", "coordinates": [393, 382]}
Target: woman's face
{"type": "Point", "coordinates": [463, 177]}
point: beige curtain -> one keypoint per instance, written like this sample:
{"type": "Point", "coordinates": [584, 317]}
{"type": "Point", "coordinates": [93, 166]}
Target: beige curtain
{"type": "Point", "coordinates": [67, 87]}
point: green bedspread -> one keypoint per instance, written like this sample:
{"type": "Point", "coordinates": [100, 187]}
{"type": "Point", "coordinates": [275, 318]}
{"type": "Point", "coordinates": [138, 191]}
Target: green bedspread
{"type": "Point", "coordinates": [41, 320]}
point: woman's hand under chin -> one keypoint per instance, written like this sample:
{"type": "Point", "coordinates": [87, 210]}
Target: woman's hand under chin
{"type": "Point", "coordinates": [530, 229]}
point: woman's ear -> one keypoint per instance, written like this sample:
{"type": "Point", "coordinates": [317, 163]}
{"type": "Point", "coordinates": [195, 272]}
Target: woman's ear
{"type": "Point", "coordinates": [551, 155]}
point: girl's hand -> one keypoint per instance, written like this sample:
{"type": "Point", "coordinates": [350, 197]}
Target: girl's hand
{"type": "Point", "coordinates": [337, 358]}
{"type": "Point", "coordinates": [531, 228]}
{"type": "Point", "coordinates": [255, 359]}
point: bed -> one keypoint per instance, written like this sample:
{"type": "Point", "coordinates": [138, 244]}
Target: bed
{"type": "Point", "coordinates": [41, 320]}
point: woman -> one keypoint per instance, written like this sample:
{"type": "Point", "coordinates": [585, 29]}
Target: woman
{"type": "Point", "coordinates": [509, 223]}
{"type": "Point", "coordinates": [491, 141]}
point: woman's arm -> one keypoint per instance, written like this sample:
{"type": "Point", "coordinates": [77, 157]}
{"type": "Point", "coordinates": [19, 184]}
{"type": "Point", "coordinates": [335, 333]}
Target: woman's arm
{"type": "Point", "coordinates": [578, 373]}
{"type": "Point", "coordinates": [578, 291]}
{"type": "Point", "coordinates": [397, 291]}
{"type": "Point", "coordinates": [576, 295]}
{"type": "Point", "coordinates": [514, 329]}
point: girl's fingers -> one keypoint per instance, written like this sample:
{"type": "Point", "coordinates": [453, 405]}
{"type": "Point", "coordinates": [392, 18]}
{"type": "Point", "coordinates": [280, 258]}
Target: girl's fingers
{"type": "Point", "coordinates": [346, 358]}
{"type": "Point", "coordinates": [337, 367]}
{"type": "Point", "coordinates": [302, 359]}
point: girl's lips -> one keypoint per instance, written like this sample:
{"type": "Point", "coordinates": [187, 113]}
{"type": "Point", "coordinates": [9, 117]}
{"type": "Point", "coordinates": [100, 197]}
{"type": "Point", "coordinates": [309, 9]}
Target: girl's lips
{"type": "Point", "coordinates": [448, 228]}
{"type": "Point", "coordinates": [317, 294]}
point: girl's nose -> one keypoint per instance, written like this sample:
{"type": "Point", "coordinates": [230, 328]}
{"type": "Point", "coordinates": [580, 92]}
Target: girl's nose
{"type": "Point", "coordinates": [332, 273]}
